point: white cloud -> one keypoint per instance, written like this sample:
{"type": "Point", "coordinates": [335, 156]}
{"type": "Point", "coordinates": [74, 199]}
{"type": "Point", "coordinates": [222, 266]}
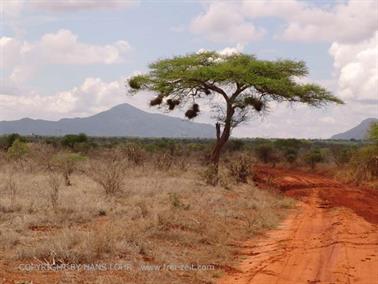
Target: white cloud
{"type": "Point", "coordinates": [13, 8]}
{"type": "Point", "coordinates": [63, 47]}
{"type": "Point", "coordinates": [22, 58]}
{"type": "Point", "coordinates": [222, 22]}
{"type": "Point", "coordinates": [92, 96]}
{"type": "Point", "coordinates": [76, 5]}
{"type": "Point", "coordinates": [352, 21]}
{"type": "Point", "coordinates": [233, 22]}
{"type": "Point", "coordinates": [356, 67]}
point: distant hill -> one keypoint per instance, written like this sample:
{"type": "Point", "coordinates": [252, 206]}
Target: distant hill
{"type": "Point", "coordinates": [359, 132]}
{"type": "Point", "coordinates": [122, 120]}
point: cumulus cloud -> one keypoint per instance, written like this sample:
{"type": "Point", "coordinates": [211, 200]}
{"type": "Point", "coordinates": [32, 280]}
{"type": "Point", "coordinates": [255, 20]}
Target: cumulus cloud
{"type": "Point", "coordinates": [234, 22]}
{"type": "Point", "coordinates": [23, 58]}
{"type": "Point", "coordinates": [92, 96]}
{"type": "Point", "coordinates": [357, 69]}
{"type": "Point", "coordinates": [222, 22]}
{"type": "Point", "coordinates": [344, 21]}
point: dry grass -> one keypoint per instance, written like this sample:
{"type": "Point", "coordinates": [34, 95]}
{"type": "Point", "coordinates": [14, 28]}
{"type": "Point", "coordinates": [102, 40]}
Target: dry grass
{"type": "Point", "coordinates": [164, 216]}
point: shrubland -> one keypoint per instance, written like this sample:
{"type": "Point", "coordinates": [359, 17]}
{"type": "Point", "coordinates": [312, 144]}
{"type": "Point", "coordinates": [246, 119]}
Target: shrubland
{"type": "Point", "coordinates": [151, 201]}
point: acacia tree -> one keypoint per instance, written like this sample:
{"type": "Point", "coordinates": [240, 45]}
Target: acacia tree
{"type": "Point", "coordinates": [236, 86]}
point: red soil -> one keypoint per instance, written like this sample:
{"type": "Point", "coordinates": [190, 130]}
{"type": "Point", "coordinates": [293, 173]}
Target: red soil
{"type": "Point", "coordinates": [331, 238]}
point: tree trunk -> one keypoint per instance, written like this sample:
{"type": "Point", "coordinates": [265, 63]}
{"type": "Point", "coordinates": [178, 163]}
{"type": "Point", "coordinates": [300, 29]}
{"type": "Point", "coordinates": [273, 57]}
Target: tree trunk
{"type": "Point", "coordinates": [222, 138]}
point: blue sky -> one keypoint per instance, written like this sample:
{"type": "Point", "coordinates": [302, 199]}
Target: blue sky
{"type": "Point", "coordinates": [70, 58]}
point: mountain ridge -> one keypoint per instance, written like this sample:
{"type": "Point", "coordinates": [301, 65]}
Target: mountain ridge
{"type": "Point", "coordinates": [358, 132]}
{"type": "Point", "coordinates": [122, 120]}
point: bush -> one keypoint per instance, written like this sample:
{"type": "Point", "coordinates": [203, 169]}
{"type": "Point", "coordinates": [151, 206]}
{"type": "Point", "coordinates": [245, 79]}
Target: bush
{"type": "Point", "coordinates": [313, 157]}
{"type": "Point", "coordinates": [108, 174]}
{"type": "Point", "coordinates": [67, 163]}
{"type": "Point", "coordinates": [240, 168]}
{"type": "Point", "coordinates": [71, 140]}
{"type": "Point", "coordinates": [373, 133]}
{"type": "Point", "coordinates": [341, 155]}
{"type": "Point", "coordinates": [54, 182]}
{"type": "Point", "coordinates": [210, 175]}
{"type": "Point", "coordinates": [18, 150]}
{"type": "Point", "coordinates": [135, 153]}
{"type": "Point", "coordinates": [163, 161]}
{"type": "Point", "coordinates": [266, 153]}
{"type": "Point", "coordinates": [7, 141]}
{"type": "Point", "coordinates": [291, 155]}
{"type": "Point", "coordinates": [364, 164]}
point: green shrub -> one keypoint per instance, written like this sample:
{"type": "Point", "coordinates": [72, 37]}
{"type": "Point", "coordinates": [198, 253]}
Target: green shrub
{"type": "Point", "coordinates": [373, 133]}
{"type": "Point", "coordinates": [341, 155]}
{"type": "Point", "coordinates": [71, 139]}
{"type": "Point", "coordinates": [291, 155]}
{"type": "Point", "coordinates": [313, 157]}
{"type": "Point", "coordinates": [364, 164]}
{"type": "Point", "coordinates": [18, 150]}
{"type": "Point", "coordinates": [267, 154]}
{"type": "Point", "coordinates": [7, 141]}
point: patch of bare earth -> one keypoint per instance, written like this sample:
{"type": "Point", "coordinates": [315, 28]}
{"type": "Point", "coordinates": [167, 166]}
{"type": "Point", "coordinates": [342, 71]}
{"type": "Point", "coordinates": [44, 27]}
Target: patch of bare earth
{"type": "Point", "coordinates": [331, 238]}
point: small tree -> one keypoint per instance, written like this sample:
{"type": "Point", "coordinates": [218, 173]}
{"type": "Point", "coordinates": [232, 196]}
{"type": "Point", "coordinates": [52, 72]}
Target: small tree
{"type": "Point", "coordinates": [235, 85]}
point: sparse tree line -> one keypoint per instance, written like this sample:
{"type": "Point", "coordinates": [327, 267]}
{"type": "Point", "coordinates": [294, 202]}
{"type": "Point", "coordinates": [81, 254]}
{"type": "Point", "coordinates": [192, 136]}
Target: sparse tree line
{"type": "Point", "coordinates": [105, 159]}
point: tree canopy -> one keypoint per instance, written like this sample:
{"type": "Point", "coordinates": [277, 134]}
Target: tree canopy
{"type": "Point", "coordinates": [255, 83]}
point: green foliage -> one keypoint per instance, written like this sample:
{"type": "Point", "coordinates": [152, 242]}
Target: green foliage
{"type": "Point", "coordinates": [373, 133]}
{"type": "Point", "coordinates": [289, 143]}
{"type": "Point", "coordinates": [71, 140]}
{"type": "Point", "coordinates": [235, 145]}
{"type": "Point", "coordinates": [7, 141]}
{"type": "Point", "coordinates": [18, 150]}
{"type": "Point", "coordinates": [341, 155]}
{"type": "Point", "coordinates": [291, 155]}
{"type": "Point", "coordinates": [364, 164]}
{"type": "Point", "coordinates": [313, 157]}
{"type": "Point", "coordinates": [181, 79]}
{"type": "Point", "coordinates": [266, 153]}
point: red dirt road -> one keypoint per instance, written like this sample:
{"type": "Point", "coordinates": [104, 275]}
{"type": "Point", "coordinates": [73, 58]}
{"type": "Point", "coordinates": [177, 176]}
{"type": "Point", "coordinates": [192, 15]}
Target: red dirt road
{"type": "Point", "coordinates": [331, 238]}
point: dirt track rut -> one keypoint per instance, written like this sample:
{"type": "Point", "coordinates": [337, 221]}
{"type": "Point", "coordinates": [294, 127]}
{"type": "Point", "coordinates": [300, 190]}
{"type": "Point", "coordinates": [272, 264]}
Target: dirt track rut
{"type": "Point", "coordinates": [326, 240]}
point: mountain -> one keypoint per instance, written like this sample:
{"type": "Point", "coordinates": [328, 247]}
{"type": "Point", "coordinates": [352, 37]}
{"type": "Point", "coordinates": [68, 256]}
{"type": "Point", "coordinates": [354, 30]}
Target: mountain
{"type": "Point", "coordinates": [121, 120]}
{"type": "Point", "coordinates": [359, 132]}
